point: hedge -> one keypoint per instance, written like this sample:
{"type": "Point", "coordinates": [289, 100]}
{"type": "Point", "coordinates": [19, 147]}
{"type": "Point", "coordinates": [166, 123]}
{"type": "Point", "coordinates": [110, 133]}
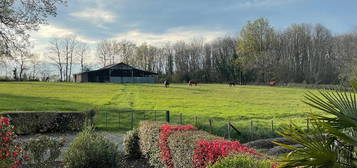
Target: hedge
{"type": "Point", "coordinates": [183, 145]}
{"type": "Point", "coordinates": [44, 122]}
{"type": "Point", "coordinates": [149, 133]}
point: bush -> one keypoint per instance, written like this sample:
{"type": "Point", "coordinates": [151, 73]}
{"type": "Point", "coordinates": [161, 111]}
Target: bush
{"type": "Point", "coordinates": [210, 151]}
{"type": "Point", "coordinates": [90, 150]}
{"type": "Point", "coordinates": [149, 133]}
{"type": "Point", "coordinates": [43, 151]}
{"type": "Point", "coordinates": [131, 144]}
{"type": "Point", "coordinates": [166, 130]}
{"type": "Point", "coordinates": [10, 152]}
{"type": "Point", "coordinates": [241, 160]}
{"type": "Point", "coordinates": [42, 122]}
{"type": "Point", "coordinates": [182, 146]}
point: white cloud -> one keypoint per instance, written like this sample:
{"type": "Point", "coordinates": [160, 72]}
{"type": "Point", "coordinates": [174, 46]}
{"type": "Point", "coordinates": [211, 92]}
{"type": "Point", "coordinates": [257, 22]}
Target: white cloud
{"type": "Point", "coordinates": [95, 16]}
{"type": "Point", "coordinates": [52, 31]}
{"type": "Point", "coordinates": [172, 35]}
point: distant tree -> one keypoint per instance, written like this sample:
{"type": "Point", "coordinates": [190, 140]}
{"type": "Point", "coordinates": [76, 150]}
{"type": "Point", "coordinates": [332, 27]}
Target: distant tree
{"type": "Point", "coordinates": [17, 17]}
{"type": "Point", "coordinates": [62, 53]}
{"type": "Point", "coordinates": [82, 53]}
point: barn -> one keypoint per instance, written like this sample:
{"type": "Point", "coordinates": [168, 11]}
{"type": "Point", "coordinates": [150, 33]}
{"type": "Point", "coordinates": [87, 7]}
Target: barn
{"type": "Point", "coordinates": [116, 73]}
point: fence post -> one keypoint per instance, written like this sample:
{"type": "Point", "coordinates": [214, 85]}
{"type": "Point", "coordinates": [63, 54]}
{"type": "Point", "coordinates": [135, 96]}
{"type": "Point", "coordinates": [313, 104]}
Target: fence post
{"type": "Point", "coordinates": [181, 118]}
{"type": "Point", "coordinates": [168, 116]}
{"type": "Point", "coordinates": [132, 119]}
{"type": "Point", "coordinates": [251, 129]}
{"type": "Point", "coordinates": [228, 130]}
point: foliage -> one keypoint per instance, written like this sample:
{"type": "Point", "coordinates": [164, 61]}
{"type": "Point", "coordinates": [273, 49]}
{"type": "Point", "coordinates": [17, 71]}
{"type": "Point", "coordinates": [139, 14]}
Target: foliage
{"type": "Point", "coordinates": [18, 17]}
{"type": "Point", "coordinates": [131, 144]}
{"type": "Point", "coordinates": [182, 146]}
{"type": "Point", "coordinates": [42, 122]}
{"type": "Point", "coordinates": [166, 130]}
{"type": "Point", "coordinates": [240, 160]}
{"type": "Point", "coordinates": [90, 150]}
{"type": "Point", "coordinates": [149, 133]}
{"type": "Point", "coordinates": [11, 154]}
{"type": "Point", "coordinates": [208, 152]}
{"type": "Point", "coordinates": [43, 151]}
{"type": "Point", "coordinates": [333, 139]}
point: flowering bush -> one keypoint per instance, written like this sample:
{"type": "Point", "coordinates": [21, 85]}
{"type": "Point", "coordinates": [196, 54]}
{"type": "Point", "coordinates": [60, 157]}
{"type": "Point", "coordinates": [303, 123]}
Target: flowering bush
{"type": "Point", "coordinates": [10, 153]}
{"type": "Point", "coordinates": [210, 151]}
{"type": "Point", "coordinates": [163, 143]}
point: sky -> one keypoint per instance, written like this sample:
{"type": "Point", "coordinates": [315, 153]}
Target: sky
{"type": "Point", "coordinates": [159, 21]}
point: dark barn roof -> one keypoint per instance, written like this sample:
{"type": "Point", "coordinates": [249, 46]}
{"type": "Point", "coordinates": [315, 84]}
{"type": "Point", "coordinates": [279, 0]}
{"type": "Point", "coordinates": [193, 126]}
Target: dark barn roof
{"type": "Point", "coordinates": [126, 66]}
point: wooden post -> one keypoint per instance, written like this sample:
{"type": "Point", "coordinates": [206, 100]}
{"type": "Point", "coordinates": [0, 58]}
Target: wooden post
{"type": "Point", "coordinates": [229, 130]}
{"type": "Point", "coordinates": [168, 116]}
{"type": "Point", "coordinates": [132, 119]}
{"type": "Point", "coordinates": [181, 118]}
{"type": "Point", "coordinates": [251, 129]}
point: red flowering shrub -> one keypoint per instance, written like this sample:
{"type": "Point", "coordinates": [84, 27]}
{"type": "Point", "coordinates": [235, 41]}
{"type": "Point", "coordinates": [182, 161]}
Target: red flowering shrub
{"type": "Point", "coordinates": [210, 151]}
{"type": "Point", "coordinates": [163, 143]}
{"type": "Point", "coordinates": [10, 153]}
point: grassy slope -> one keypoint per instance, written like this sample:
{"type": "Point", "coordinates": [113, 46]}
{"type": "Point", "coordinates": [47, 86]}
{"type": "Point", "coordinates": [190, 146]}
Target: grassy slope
{"type": "Point", "coordinates": [238, 104]}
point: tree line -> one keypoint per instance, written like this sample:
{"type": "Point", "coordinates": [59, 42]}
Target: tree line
{"type": "Point", "coordinates": [301, 53]}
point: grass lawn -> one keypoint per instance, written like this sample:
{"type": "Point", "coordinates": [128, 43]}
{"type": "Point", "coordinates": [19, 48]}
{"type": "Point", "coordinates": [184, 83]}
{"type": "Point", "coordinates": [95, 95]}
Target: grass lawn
{"type": "Point", "coordinates": [239, 104]}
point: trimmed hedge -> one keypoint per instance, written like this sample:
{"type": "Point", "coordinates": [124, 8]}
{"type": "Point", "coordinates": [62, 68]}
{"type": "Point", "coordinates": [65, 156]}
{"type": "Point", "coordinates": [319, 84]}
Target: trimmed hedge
{"type": "Point", "coordinates": [149, 133]}
{"type": "Point", "coordinates": [43, 122]}
{"type": "Point", "coordinates": [241, 160]}
{"type": "Point", "coordinates": [183, 145]}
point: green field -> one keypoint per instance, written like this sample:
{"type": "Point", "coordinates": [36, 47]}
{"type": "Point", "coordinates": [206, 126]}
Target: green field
{"type": "Point", "coordinates": [240, 104]}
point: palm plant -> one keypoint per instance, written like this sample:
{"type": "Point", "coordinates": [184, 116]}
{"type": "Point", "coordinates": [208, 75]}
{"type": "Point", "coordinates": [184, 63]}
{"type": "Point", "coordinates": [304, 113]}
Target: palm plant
{"type": "Point", "coordinates": [332, 142]}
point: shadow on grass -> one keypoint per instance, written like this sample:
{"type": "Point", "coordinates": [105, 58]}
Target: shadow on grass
{"type": "Point", "coordinates": [10, 102]}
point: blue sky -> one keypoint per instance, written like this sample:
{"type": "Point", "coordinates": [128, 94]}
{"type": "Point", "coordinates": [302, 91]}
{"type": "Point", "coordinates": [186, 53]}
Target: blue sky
{"type": "Point", "coordinates": [159, 21]}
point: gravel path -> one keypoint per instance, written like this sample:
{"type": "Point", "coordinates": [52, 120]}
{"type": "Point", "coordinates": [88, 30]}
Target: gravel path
{"type": "Point", "coordinates": [69, 137]}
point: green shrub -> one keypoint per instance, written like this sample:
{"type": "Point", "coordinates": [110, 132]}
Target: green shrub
{"type": "Point", "coordinates": [149, 133]}
{"type": "Point", "coordinates": [241, 161]}
{"type": "Point", "coordinates": [42, 122]}
{"type": "Point", "coordinates": [131, 144]}
{"type": "Point", "coordinates": [90, 150]}
{"type": "Point", "coordinates": [43, 151]}
{"type": "Point", "coordinates": [182, 146]}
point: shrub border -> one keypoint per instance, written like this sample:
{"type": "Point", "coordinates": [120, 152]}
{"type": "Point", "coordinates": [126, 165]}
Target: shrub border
{"type": "Point", "coordinates": [166, 130]}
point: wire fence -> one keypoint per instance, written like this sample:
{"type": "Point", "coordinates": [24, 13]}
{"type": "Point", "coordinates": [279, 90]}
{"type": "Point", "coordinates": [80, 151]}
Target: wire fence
{"type": "Point", "coordinates": [244, 129]}
{"type": "Point", "coordinates": [117, 120]}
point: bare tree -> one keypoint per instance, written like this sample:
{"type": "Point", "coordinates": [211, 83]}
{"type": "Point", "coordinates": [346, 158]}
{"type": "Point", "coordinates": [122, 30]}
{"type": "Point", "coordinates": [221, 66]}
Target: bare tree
{"type": "Point", "coordinates": [62, 53]}
{"type": "Point", "coordinates": [82, 53]}
{"type": "Point", "coordinates": [17, 17]}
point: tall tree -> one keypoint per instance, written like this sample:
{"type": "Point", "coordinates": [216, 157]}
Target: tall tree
{"type": "Point", "coordinates": [18, 17]}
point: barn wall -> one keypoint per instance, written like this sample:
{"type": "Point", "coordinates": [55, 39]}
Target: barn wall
{"type": "Point", "coordinates": [132, 79]}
